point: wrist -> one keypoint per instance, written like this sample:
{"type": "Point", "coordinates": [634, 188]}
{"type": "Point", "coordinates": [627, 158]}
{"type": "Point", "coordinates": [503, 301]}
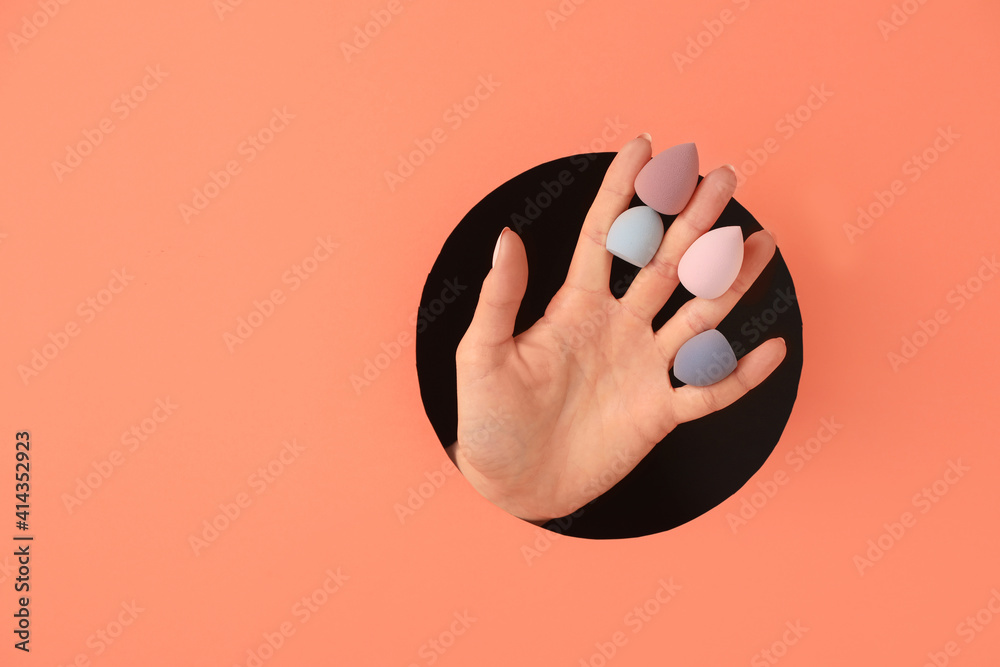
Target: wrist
{"type": "Point", "coordinates": [479, 483]}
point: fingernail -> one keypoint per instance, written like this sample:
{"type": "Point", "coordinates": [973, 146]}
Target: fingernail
{"type": "Point", "coordinates": [773, 236]}
{"type": "Point", "coordinates": [646, 136]}
{"type": "Point", "coordinates": [730, 168]}
{"type": "Point", "coordinates": [496, 249]}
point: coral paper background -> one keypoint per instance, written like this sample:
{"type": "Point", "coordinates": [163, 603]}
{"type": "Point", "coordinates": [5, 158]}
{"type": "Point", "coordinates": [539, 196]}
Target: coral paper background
{"type": "Point", "coordinates": [881, 548]}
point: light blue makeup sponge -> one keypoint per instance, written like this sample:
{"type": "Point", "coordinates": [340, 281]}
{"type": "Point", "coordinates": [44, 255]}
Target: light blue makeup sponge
{"type": "Point", "coordinates": [704, 359]}
{"type": "Point", "coordinates": [635, 235]}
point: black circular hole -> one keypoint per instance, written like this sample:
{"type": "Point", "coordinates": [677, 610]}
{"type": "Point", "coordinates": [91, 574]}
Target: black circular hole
{"type": "Point", "coordinates": [700, 463]}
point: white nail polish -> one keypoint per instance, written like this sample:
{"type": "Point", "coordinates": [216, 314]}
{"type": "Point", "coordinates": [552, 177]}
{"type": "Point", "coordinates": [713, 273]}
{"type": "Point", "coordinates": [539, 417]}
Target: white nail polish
{"type": "Point", "coordinates": [496, 249]}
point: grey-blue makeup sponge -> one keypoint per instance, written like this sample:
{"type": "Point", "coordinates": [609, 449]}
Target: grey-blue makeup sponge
{"type": "Point", "coordinates": [635, 235]}
{"type": "Point", "coordinates": [705, 359]}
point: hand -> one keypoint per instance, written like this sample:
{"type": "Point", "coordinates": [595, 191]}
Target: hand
{"type": "Point", "coordinates": [554, 417]}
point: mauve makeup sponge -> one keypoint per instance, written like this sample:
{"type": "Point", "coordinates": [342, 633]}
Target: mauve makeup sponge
{"type": "Point", "coordinates": [704, 359]}
{"type": "Point", "coordinates": [635, 235]}
{"type": "Point", "coordinates": [668, 180]}
{"type": "Point", "coordinates": [713, 261]}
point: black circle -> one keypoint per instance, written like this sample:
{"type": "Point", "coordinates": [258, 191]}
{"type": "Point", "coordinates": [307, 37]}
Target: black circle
{"type": "Point", "coordinates": [698, 465]}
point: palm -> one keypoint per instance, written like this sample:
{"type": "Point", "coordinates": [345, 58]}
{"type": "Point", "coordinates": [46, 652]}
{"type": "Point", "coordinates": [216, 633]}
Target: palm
{"type": "Point", "coordinates": [554, 417]}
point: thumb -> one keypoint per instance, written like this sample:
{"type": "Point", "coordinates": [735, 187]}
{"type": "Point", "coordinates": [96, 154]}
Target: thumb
{"type": "Point", "coordinates": [493, 323]}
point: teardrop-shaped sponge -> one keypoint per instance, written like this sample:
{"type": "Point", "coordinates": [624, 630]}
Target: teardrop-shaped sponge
{"type": "Point", "coordinates": [704, 359]}
{"type": "Point", "coordinates": [635, 235]}
{"type": "Point", "coordinates": [668, 180]}
{"type": "Point", "coordinates": [713, 261]}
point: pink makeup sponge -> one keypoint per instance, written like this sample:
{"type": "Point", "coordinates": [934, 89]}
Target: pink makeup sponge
{"type": "Point", "coordinates": [668, 180]}
{"type": "Point", "coordinates": [713, 261]}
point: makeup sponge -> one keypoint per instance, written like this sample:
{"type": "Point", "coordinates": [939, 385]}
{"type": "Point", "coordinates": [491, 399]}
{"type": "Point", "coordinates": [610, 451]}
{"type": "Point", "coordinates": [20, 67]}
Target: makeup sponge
{"type": "Point", "coordinates": [713, 261]}
{"type": "Point", "coordinates": [668, 180]}
{"type": "Point", "coordinates": [704, 359]}
{"type": "Point", "coordinates": [635, 235]}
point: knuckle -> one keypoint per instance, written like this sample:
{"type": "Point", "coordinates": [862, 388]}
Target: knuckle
{"type": "Point", "coordinates": [613, 188]}
{"type": "Point", "coordinates": [695, 320]}
{"type": "Point", "coordinates": [598, 236]}
{"type": "Point", "coordinates": [711, 401]}
{"type": "Point", "coordinates": [741, 285]}
{"type": "Point", "coordinates": [662, 267]}
{"type": "Point", "coordinates": [725, 182]}
{"type": "Point", "coordinates": [743, 380]}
